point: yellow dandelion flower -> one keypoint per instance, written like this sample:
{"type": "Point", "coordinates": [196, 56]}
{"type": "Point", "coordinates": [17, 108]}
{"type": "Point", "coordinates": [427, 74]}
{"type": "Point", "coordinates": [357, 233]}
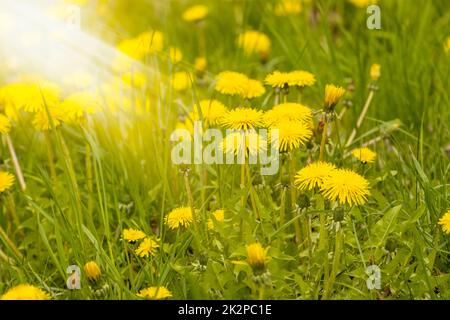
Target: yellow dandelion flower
{"type": "Point", "coordinates": [375, 71]}
{"type": "Point", "coordinates": [25, 292]}
{"type": "Point", "coordinates": [5, 124]}
{"type": "Point", "coordinates": [219, 215]}
{"type": "Point", "coordinates": [195, 13]}
{"type": "Point", "coordinates": [175, 55]}
{"type": "Point", "coordinates": [181, 81]}
{"type": "Point", "coordinates": [292, 134]}
{"type": "Point", "coordinates": [278, 79]}
{"type": "Point", "coordinates": [254, 42]}
{"type": "Point", "coordinates": [313, 175]}
{"type": "Point", "coordinates": [256, 256]}
{"type": "Point", "coordinates": [135, 79]}
{"type": "Point", "coordinates": [6, 181]}
{"type": "Point", "coordinates": [212, 111]}
{"type": "Point", "coordinates": [300, 78]}
{"type": "Point", "coordinates": [346, 186]}
{"type": "Point", "coordinates": [447, 45]}
{"type": "Point", "coordinates": [132, 235]}
{"type": "Point", "coordinates": [155, 293]}
{"type": "Point", "coordinates": [31, 97]}
{"type": "Point", "coordinates": [253, 89]}
{"type": "Point", "coordinates": [365, 155]}
{"type": "Point", "coordinates": [247, 143]}
{"type": "Point", "coordinates": [332, 95]}
{"type": "Point", "coordinates": [200, 64]}
{"type": "Point", "coordinates": [288, 7]}
{"type": "Point", "coordinates": [242, 119]}
{"type": "Point", "coordinates": [288, 112]}
{"type": "Point", "coordinates": [179, 217]}
{"type": "Point", "coordinates": [231, 83]}
{"type": "Point", "coordinates": [44, 120]}
{"type": "Point", "coordinates": [445, 222]}
{"type": "Point", "coordinates": [132, 48]}
{"type": "Point", "coordinates": [150, 42]}
{"type": "Point", "coordinates": [92, 270]}
{"type": "Point", "coordinates": [147, 248]}
{"type": "Point", "coordinates": [363, 3]}
{"type": "Point", "coordinates": [76, 106]}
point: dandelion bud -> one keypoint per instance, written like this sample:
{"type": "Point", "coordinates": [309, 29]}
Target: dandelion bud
{"type": "Point", "coordinates": [375, 71]}
{"type": "Point", "coordinates": [256, 257]}
{"type": "Point", "coordinates": [332, 96]}
{"type": "Point", "coordinates": [92, 270]}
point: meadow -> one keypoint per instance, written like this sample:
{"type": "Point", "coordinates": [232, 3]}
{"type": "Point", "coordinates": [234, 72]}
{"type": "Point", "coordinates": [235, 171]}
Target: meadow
{"type": "Point", "coordinates": [93, 205]}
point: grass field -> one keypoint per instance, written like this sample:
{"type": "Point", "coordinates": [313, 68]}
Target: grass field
{"type": "Point", "coordinates": [91, 197]}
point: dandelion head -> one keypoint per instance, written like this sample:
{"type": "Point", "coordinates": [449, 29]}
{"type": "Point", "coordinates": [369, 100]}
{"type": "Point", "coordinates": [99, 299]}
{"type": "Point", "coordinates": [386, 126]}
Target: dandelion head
{"type": "Point", "coordinates": [231, 83]}
{"type": "Point", "coordinates": [362, 3]}
{"type": "Point", "coordinates": [219, 216]}
{"type": "Point", "coordinates": [45, 120]}
{"type": "Point", "coordinates": [132, 235]}
{"type": "Point", "coordinates": [195, 13]}
{"type": "Point", "coordinates": [332, 95]}
{"type": "Point", "coordinates": [150, 42]}
{"type": "Point", "coordinates": [242, 119]}
{"type": "Point", "coordinates": [212, 111]}
{"type": "Point", "coordinates": [447, 45]}
{"type": "Point", "coordinates": [288, 7]}
{"type": "Point", "coordinates": [92, 270]}
{"type": "Point", "coordinates": [147, 248]}
{"type": "Point", "coordinates": [365, 155]}
{"type": "Point", "coordinates": [256, 256]}
{"type": "Point", "coordinates": [76, 106]}
{"type": "Point", "coordinates": [278, 79]}
{"type": "Point", "coordinates": [291, 134]}
{"type": "Point", "coordinates": [181, 81]}
{"type": "Point", "coordinates": [375, 71]}
{"type": "Point", "coordinates": [243, 143]}
{"type": "Point", "coordinates": [25, 292]}
{"type": "Point", "coordinates": [155, 293]}
{"type": "Point", "coordinates": [288, 112]}
{"type": "Point", "coordinates": [313, 175]}
{"type": "Point", "coordinates": [254, 42]}
{"type": "Point", "coordinates": [179, 217]}
{"type": "Point", "coordinates": [5, 124]}
{"type": "Point", "coordinates": [200, 64]}
{"type": "Point", "coordinates": [346, 186]}
{"type": "Point", "coordinates": [444, 221]}
{"type": "Point", "coordinates": [253, 89]}
{"type": "Point", "coordinates": [175, 55]}
{"type": "Point", "coordinates": [300, 78]}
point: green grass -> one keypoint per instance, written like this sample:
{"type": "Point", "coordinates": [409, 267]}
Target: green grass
{"type": "Point", "coordinates": [78, 216]}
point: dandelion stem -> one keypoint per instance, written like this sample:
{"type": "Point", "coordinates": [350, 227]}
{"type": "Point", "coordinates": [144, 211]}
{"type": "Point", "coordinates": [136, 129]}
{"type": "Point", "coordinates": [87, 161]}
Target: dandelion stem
{"type": "Point", "coordinates": [324, 138]}
{"type": "Point", "coordinates": [336, 261]}
{"type": "Point", "coordinates": [50, 156]}
{"type": "Point", "coordinates": [298, 233]}
{"type": "Point", "coordinates": [17, 168]}
{"type": "Point", "coordinates": [361, 118]}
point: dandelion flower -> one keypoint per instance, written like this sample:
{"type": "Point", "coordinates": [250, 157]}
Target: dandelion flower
{"type": "Point", "coordinates": [242, 119]}
{"type": "Point", "coordinates": [278, 79]}
{"type": "Point", "coordinates": [45, 120]}
{"type": "Point", "coordinates": [247, 143]}
{"type": "Point", "coordinates": [256, 256]}
{"type": "Point", "coordinates": [147, 248]}
{"type": "Point", "coordinates": [179, 217]}
{"type": "Point", "coordinates": [135, 79]}
{"type": "Point", "coordinates": [313, 175]}
{"type": "Point", "coordinates": [5, 124]}
{"type": "Point", "coordinates": [132, 235]}
{"type": "Point", "coordinates": [291, 134]}
{"type": "Point", "coordinates": [92, 270]}
{"type": "Point", "coordinates": [447, 45]}
{"type": "Point", "coordinates": [288, 7]}
{"type": "Point", "coordinates": [155, 293]}
{"type": "Point", "coordinates": [363, 3]}
{"type": "Point", "coordinates": [150, 42]}
{"type": "Point", "coordinates": [445, 222]}
{"type": "Point", "coordinates": [175, 55]}
{"type": "Point", "coordinates": [200, 64]}
{"type": "Point", "coordinates": [365, 155]}
{"type": "Point", "coordinates": [288, 112]}
{"type": "Point", "coordinates": [181, 81]}
{"type": "Point", "coordinates": [253, 89]}
{"type": "Point", "coordinates": [6, 181]}
{"type": "Point", "coordinates": [25, 292]}
{"type": "Point", "coordinates": [77, 105]}
{"type": "Point", "coordinates": [219, 215]}
{"type": "Point", "coordinates": [332, 95]}
{"type": "Point", "coordinates": [300, 78]}
{"type": "Point", "coordinates": [346, 186]}
{"type": "Point", "coordinates": [212, 111]}
{"type": "Point", "coordinates": [375, 71]}
{"type": "Point", "coordinates": [231, 83]}
{"type": "Point", "coordinates": [254, 42]}
{"type": "Point", "coordinates": [195, 13]}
